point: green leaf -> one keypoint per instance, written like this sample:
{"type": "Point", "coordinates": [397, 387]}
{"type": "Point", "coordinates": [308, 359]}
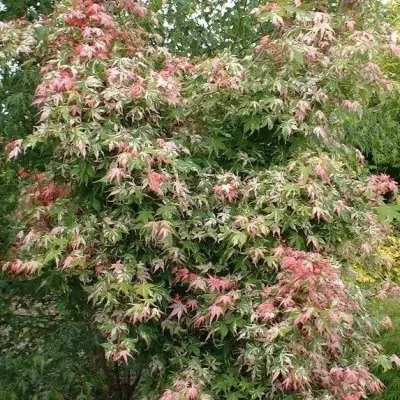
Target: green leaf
{"type": "Point", "coordinates": [238, 239]}
{"type": "Point", "coordinates": [389, 212]}
{"type": "Point", "coordinates": [144, 217]}
{"type": "Point", "coordinates": [144, 290]}
{"type": "Point", "coordinates": [384, 362]}
{"type": "Point", "coordinates": [298, 57]}
{"type": "Point", "coordinates": [223, 331]}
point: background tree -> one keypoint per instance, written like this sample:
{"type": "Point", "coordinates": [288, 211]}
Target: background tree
{"type": "Point", "coordinates": [195, 28]}
{"type": "Point", "coordinates": [376, 134]}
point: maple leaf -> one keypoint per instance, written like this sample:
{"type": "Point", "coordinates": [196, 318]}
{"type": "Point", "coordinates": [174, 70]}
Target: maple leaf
{"type": "Point", "coordinates": [68, 262]}
{"type": "Point", "coordinates": [192, 392]}
{"type": "Point", "coordinates": [15, 266]}
{"type": "Point", "coordinates": [355, 396]}
{"type": "Point", "coordinates": [178, 309]}
{"type": "Point", "coordinates": [168, 395]}
{"type": "Point", "coordinates": [277, 20]}
{"type": "Point", "coordinates": [198, 283]}
{"type": "Point", "coordinates": [63, 81]}
{"type": "Point", "coordinates": [279, 251]}
{"type": "Point", "coordinates": [394, 49]}
{"type": "Point", "coordinates": [160, 230]}
{"type": "Point", "coordinates": [382, 184]}
{"type": "Point", "coordinates": [287, 383]}
{"type": "Point", "coordinates": [135, 7]}
{"type": "Point", "coordinates": [376, 386]}
{"type": "Point", "coordinates": [395, 359]}
{"type": "Point", "coordinates": [198, 321]}
{"type": "Point", "coordinates": [117, 267]}
{"type": "Point", "coordinates": [320, 132]}
{"type": "Point", "coordinates": [23, 173]}
{"type": "Point", "coordinates": [351, 105]}
{"type": "Point", "coordinates": [215, 312]}
{"type": "Point", "coordinates": [257, 255]}
{"type": "Point", "coordinates": [192, 304]}
{"type": "Point", "coordinates": [145, 313]}
{"type": "Point", "coordinates": [115, 174]}
{"type": "Point", "coordinates": [75, 18]}
{"type": "Point", "coordinates": [155, 179]}
{"type": "Point", "coordinates": [49, 193]}
{"type": "Point", "coordinates": [337, 373]}
{"type": "Point", "coordinates": [122, 354]}
{"type": "Point", "coordinates": [75, 110]}
{"type": "Point", "coordinates": [265, 311]}
{"type": "Point", "coordinates": [14, 148]}
{"type": "Point", "coordinates": [319, 213]}
{"type": "Point", "coordinates": [14, 153]}
{"type": "Point", "coordinates": [136, 90]}
{"type": "Point", "coordinates": [82, 50]}
{"type": "Point", "coordinates": [94, 9]}
{"type": "Point", "coordinates": [304, 316]}
{"type": "Point", "coordinates": [226, 300]}
{"type": "Point", "coordinates": [321, 172]}
{"type": "Point", "coordinates": [217, 284]}
{"type": "Point", "coordinates": [288, 302]}
{"type": "Point", "coordinates": [226, 192]}
{"type": "Point", "coordinates": [184, 275]}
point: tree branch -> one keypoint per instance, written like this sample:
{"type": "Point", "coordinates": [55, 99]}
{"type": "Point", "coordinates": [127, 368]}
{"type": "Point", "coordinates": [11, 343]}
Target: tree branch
{"type": "Point", "coordinates": [118, 380]}
{"type": "Point", "coordinates": [199, 28]}
{"type": "Point", "coordinates": [134, 385]}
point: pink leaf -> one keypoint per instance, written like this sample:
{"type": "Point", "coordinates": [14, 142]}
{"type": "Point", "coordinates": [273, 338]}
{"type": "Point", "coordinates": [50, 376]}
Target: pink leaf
{"type": "Point", "coordinates": [178, 309]}
{"type": "Point", "coordinates": [215, 312]}
{"type": "Point", "coordinates": [155, 180]}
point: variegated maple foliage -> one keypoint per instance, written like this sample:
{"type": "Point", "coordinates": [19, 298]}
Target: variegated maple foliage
{"type": "Point", "coordinates": [17, 38]}
{"type": "Point", "coordinates": [210, 207]}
